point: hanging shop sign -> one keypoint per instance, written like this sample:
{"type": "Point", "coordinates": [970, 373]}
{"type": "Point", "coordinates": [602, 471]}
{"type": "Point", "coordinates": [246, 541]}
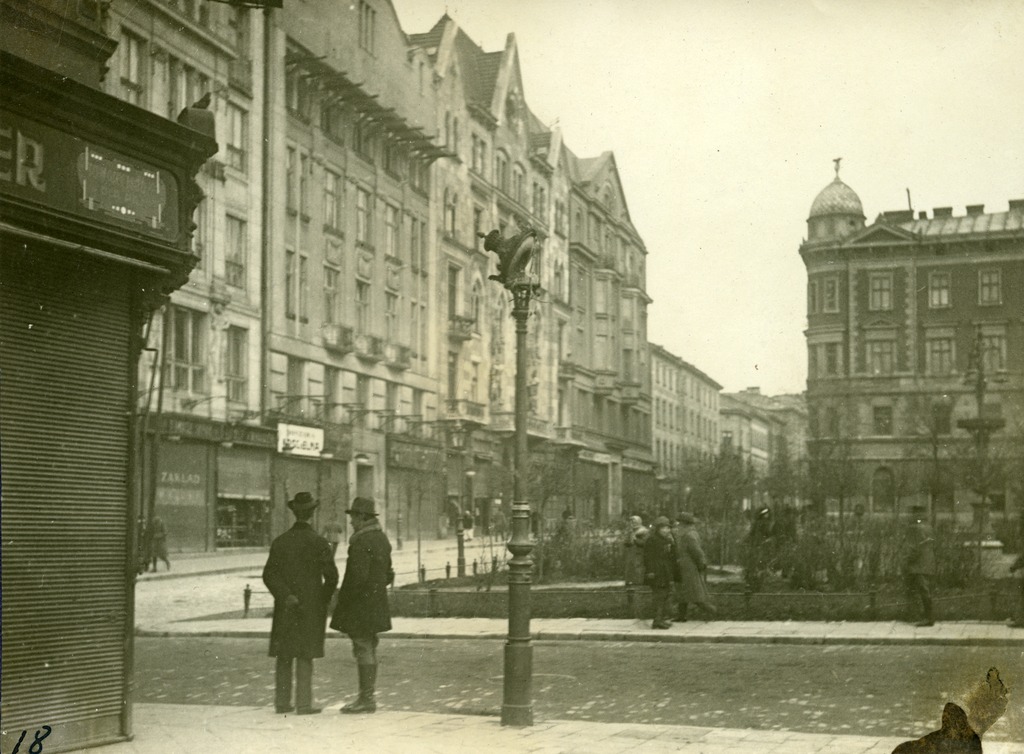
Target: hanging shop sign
{"type": "Point", "coordinates": [299, 440]}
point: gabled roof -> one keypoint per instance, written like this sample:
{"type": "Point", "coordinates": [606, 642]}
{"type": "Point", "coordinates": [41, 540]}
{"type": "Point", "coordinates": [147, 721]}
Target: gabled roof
{"type": "Point", "coordinates": [430, 40]}
{"type": "Point", "coordinates": [881, 233]}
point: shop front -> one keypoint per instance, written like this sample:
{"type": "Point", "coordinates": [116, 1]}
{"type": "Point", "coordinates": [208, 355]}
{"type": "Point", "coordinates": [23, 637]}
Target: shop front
{"type": "Point", "coordinates": [414, 478]}
{"type": "Point", "coordinates": [96, 198]}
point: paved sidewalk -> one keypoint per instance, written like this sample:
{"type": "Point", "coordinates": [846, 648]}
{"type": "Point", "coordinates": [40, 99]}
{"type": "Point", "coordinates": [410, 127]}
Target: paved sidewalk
{"type": "Point", "coordinates": [184, 729]}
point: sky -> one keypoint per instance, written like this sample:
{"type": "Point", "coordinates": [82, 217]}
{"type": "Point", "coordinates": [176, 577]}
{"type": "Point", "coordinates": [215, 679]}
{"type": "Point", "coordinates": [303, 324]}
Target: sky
{"type": "Point", "coordinates": [725, 116]}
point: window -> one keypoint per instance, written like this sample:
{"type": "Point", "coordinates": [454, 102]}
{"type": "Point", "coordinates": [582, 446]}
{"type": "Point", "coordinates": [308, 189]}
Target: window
{"type": "Point", "coordinates": [453, 375]}
{"type": "Point", "coordinates": [540, 200]}
{"type": "Point", "coordinates": [881, 355]}
{"type": "Point", "coordinates": [880, 292]}
{"type": "Point", "coordinates": [298, 99]}
{"type": "Point", "coordinates": [414, 328]}
{"type": "Point", "coordinates": [362, 306]}
{"type": "Point", "coordinates": [187, 349]}
{"type": "Point", "coordinates": [332, 250]}
{"type": "Point", "coordinates": [236, 364]}
{"type": "Point", "coordinates": [391, 230]}
{"type": "Point", "coordinates": [993, 349]}
{"type": "Point", "coordinates": [362, 140]}
{"type": "Point", "coordinates": [478, 226]}
{"type": "Point", "coordinates": [476, 303]}
{"type": "Point", "coordinates": [518, 184]}
{"type": "Point", "coordinates": [236, 252]}
{"type": "Point", "coordinates": [989, 288]}
{"type": "Point", "coordinates": [290, 179]}
{"type": "Point", "coordinates": [303, 287]}
{"type": "Point", "coordinates": [367, 26]}
{"type": "Point", "coordinates": [364, 225]}
{"type": "Point", "coordinates": [333, 200]}
{"type": "Point", "coordinates": [332, 122]}
{"type": "Point", "coordinates": [478, 159]}
{"type": "Point", "coordinates": [416, 233]}
{"type": "Point", "coordinates": [132, 67]}
{"type": "Point", "coordinates": [305, 171]}
{"type": "Point", "coordinates": [237, 136]}
{"type": "Point", "coordinates": [881, 420]}
{"type": "Point", "coordinates": [290, 265]}
{"type": "Point", "coordinates": [830, 295]}
{"type": "Point", "coordinates": [453, 291]}
{"type": "Point", "coordinates": [332, 294]}
{"type": "Point", "coordinates": [451, 203]}
{"type": "Point", "coordinates": [391, 317]}
{"type": "Point", "coordinates": [832, 360]}
{"type": "Point", "coordinates": [938, 290]}
{"type": "Point", "coordinates": [812, 297]}
{"type": "Point", "coordinates": [560, 217]}
{"type": "Point", "coordinates": [501, 171]}
{"type": "Point", "coordinates": [939, 356]}
{"type": "Point", "coordinates": [832, 421]}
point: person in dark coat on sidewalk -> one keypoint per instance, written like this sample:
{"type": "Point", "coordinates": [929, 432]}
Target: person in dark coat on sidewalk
{"type": "Point", "coordinates": [661, 568]}
{"type": "Point", "coordinates": [362, 609]}
{"type": "Point", "coordinates": [692, 568]}
{"type": "Point", "coordinates": [919, 563]}
{"type": "Point", "coordinates": [301, 574]}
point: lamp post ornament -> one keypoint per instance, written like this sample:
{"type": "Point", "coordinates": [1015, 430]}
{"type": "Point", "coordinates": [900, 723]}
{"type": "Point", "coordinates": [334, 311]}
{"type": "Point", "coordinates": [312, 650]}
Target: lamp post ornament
{"type": "Point", "coordinates": [514, 256]}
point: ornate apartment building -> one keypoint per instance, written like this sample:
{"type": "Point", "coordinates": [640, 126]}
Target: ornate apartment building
{"type": "Point", "coordinates": [913, 321]}
{"type": "Point", "coordinates": [339, 333]}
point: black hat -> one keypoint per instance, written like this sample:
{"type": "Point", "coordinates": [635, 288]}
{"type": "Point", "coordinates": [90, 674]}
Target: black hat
{"type": "Point", "coordinates": [363, 506]}
{"type": "Point", "coordinates": [302, 502]}
{"type": "Point", "coordinates": [686, 518]}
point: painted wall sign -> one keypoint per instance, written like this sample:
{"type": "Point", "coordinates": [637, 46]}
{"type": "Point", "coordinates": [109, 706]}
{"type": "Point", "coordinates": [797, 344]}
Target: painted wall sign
{"type": "Point", "coordinates": [299, 440]}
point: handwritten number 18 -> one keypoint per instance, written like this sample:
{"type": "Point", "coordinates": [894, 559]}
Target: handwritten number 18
{"type": "Point", "coordinates": [37, 741]}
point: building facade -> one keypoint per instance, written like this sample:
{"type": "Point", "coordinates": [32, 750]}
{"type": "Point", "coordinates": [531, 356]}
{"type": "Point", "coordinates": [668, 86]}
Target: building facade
{"type": "Point", "coordinates": [97, 198]}
{"type": "Point", "coordinates": [914, 332]}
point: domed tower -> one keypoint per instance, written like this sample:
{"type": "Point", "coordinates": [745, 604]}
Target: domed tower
{"type": "Point", "coordinates": [835, 213]}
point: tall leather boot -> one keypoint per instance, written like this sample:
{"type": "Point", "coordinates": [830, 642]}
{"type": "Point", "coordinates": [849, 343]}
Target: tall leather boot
{"type": "Point", "coordinates": [365, 703]}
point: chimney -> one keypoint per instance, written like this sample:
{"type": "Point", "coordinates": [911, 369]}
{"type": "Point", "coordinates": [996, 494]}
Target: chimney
{"type": "Point", "coordinates": [1016, 204]}
{"type": "Point", "coordinates": [975, 209]}
{"type": "Point", "coordinates": [898, 215]}
{"type": "Point", "coordinates": [942, 212]}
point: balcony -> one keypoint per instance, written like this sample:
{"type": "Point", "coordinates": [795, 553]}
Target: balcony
{"type": "Point", "coordinates": [604, 382]}
{"type": "Point", "coordinates": [630, 392]}
{"type": "Point", "coordinates": [468, 411]}
{"type": "Point", "coordinates": [397, 357]}
{"type": "Point", "coordinates": [368, 347]}
{"type": "Point", "coordinates": [505, 423]}
{"type": "Point", "coordinates": [569, 437]}
{"type": "Point", "coordinates": [460, 328]}
{"type": "Point", "coordinates": [337, 338]}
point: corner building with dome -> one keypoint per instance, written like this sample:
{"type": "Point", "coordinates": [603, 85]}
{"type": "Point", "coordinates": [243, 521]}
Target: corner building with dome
{"type": "Point", "coordinates": [900, 312]}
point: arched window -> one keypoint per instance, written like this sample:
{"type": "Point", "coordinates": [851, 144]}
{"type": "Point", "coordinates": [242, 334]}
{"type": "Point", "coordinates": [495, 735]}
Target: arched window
{"type": "Point", "coordinates": [501, 171]}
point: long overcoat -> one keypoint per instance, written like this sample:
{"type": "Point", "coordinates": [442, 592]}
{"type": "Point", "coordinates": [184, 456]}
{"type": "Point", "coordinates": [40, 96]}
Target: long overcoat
{"type": "Point", "coordinates": [362, 608]}
{"type": "Point", "coordinates": [300, 564]}
{"type": "Point", "coordinates": [692, 564]}
{"type": "Point", "coordinates": [661, 565]}
{"type": "Point", "coordinates": [919, 555]}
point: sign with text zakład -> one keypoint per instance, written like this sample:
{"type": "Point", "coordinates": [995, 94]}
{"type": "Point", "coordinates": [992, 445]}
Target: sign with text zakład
{"type": "Point", "coordinates": [46, 166]}
{"type": "Point", "coordinates": [299, 440]}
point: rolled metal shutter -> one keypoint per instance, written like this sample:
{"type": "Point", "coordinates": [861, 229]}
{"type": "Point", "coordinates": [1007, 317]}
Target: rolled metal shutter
{"type": "Point", "coordinates": [64, 443]}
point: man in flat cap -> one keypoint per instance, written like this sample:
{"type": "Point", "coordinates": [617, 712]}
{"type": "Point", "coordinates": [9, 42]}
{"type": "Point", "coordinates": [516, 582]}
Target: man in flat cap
{"type": "Point", "coordinates": [301, 575]}
{"type": "Point", "coordinates": [362, 609]}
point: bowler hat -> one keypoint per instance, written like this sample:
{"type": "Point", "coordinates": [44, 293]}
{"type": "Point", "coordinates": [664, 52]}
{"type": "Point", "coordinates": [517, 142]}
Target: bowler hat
{"type": "Point", "coordinates": [363, 506]}
{"type": "Point", "coordinates": [686, 518]}
{"type": "Point", "coordinates": [303, 501]}
{"type": "Point", "coordinates": [660, 521]}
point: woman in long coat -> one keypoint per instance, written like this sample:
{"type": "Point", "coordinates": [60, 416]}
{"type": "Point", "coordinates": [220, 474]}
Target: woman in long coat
{"type": "Point", "coordinates": [661, 568]}
{"type": "Point", "coordinates": [692, 566]}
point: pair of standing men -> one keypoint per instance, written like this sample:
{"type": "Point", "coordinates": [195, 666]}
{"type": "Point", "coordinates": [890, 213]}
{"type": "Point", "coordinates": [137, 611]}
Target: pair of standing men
{"type": "Point", "coordinates": [301, 575]}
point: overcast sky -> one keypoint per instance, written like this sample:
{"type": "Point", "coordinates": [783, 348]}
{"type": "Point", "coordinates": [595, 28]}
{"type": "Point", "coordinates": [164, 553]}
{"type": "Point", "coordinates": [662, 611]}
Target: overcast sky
{"type": "Point", "coordinates": [725, 116]}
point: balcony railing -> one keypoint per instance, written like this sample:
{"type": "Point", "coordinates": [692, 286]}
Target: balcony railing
{"type": "Point", "coordinates": [368, 347]}
{"type": "Point", "coordinates": [467, 410]}
{"type": "Point", "coordinates": [460, 328]}
{"type": "Point", "coordinates": [505, 422]}
{"type": "Point", "coordinates": [337, 338]}
{"type": "Point", "coordinates": [397, 357]}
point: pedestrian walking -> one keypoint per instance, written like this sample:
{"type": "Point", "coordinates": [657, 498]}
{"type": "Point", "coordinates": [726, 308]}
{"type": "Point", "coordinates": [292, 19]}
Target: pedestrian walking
{"type": "Point", "coordinates": [693, 566]}
{"type": "Point", "coordinates": [468, 519]}
{"type": "Point", "coordinates": [633, 550]}
{"type": "Point", "coordinates": [760, 541]}
{"type": "Point", "coordinates": [333, 532]}
{"type": "Point", "coordinates": [919, 563]}
{"type": "Point", "coordinates": [157, 541]}
{"type": "Point", "coordinates": [301, 574]}
{"type": "Point", "coordinates": [661, 568]}
{"type": "Point", "coordinates": [1018, 566]}
{"type": "Point", "coordinates": [362, 609]}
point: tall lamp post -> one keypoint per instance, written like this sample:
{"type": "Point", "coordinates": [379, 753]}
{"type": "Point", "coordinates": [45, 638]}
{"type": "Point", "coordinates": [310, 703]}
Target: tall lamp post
{"type": "Point", "coordinates": [981, 427]}
{"type": "Point", "coordinates": [514, 255]}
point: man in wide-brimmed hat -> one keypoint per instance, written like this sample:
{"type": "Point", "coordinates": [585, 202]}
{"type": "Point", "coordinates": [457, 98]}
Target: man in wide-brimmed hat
{"type": "Point", "coordinates": [301, 575]}
{"type": "Point", "coordinates": [692, 567]}
{"type": "Point", "coordinates": [362, 609]}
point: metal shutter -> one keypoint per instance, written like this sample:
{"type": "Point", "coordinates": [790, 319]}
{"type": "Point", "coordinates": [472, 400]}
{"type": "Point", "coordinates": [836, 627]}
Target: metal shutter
{"type": "Point", "coordinates": [64, 441]}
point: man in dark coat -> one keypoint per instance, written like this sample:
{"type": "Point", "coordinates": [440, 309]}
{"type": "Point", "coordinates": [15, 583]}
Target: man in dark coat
{"type": "Point", "coordinates": [661, 568]}
{"type": "Point", "coordinates": [362, 610]}
{"type": "Point", "coordinates": [301, 575]}
{"type": "Point", "coordinates": [919, 563]}
{"type": "Point", "coordinates": [693, 565]}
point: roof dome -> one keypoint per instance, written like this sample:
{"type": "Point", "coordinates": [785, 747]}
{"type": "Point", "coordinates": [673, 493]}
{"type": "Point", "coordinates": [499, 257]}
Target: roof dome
{"type": "Point", "coordinates": [837, 199]}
